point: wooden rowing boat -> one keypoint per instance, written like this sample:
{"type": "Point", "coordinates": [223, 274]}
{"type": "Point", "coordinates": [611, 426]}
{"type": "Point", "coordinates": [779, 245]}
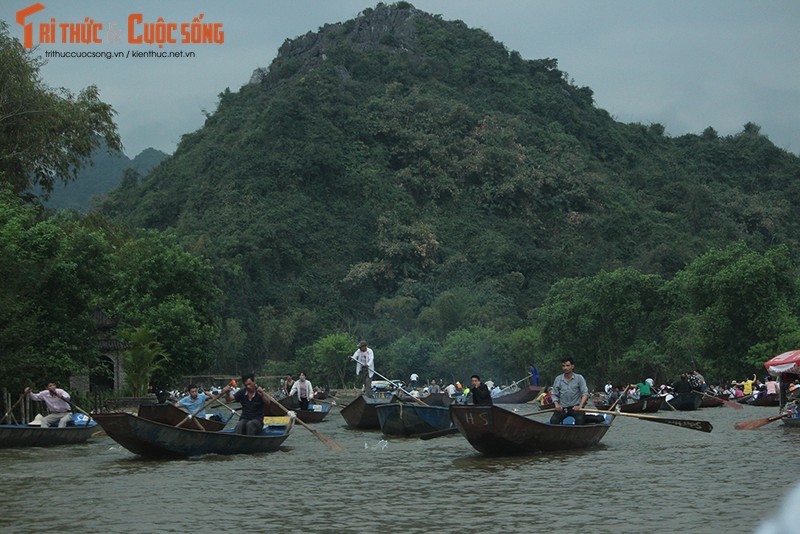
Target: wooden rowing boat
{"type": "Point", "coordinates": [158, 440]}
{"type": "Point", "coordinates": [643, 405]}
{"type": "Point", "coordinates": [12, 436]}
{"type": "Point", "coordinates": [684, 402]}
{"type": "Point", "coordinates": [495, 431]}
{"type": "Point", "coordinates": [765, 400]}
{"type": "Point", "coordinates": [434, 399]}
{"type": "Point", "coordinates": [401, 419]}
{"type": "Point", "coordinates": [792, 422]}
{"type": "Point", "coordinates": [714, 401]}
{"type": "Point", "coordinates": [362, 413]}
{"type": "Point", "coordinates": [315, 414]}
{"type": "Point", "coordinates": [522, 396]}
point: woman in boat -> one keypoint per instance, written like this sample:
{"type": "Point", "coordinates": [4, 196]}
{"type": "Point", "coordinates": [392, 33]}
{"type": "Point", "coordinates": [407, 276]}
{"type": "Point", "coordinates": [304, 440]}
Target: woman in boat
{"type": "Point", "coordinates": [287, 385]}
{"type": "Point", "coordinates": [304, 391]}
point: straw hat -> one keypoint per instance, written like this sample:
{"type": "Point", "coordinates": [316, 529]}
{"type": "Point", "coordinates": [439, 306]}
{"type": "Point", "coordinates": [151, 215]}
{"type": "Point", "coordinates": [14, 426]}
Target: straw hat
{"type": "Point", "coordinates": [37, 421]}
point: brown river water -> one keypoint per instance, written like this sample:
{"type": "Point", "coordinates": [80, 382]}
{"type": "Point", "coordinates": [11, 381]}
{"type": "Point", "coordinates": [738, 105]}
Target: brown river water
{"type": "Point", "coordinates": [642, 477]}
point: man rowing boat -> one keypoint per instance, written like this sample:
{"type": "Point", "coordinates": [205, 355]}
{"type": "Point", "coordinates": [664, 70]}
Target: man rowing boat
{"type": "Point", "coordinates": [570, 394]}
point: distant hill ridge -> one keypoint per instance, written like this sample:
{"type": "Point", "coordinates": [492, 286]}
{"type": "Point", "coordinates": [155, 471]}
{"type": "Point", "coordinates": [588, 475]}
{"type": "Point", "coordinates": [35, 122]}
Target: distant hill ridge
{"type": "Point", "coordinates": [103, 175]}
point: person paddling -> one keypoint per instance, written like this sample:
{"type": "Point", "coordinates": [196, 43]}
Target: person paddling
{"type": "Point", "coordinates": [57, 402]}
{"type": "Point", "coordinates": [251, 398]}
{"type": "Point", "coordinates": [570, 394]}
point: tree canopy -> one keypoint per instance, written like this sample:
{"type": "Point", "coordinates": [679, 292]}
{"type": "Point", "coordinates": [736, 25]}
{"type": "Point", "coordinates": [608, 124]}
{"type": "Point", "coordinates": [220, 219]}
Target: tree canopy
{"type": "Point", "coordinates": [46, 134]}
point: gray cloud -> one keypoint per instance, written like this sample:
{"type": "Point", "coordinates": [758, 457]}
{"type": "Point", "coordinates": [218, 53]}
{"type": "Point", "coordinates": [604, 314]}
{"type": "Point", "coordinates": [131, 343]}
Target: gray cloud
{"type": "Point", "coordinates": [685, 64]}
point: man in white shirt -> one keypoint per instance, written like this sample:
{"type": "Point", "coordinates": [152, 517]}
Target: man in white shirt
{"type": "Point", "coordinates": [56, 400]}
{"type": "Point", "coordinates": [365, 365]}
{"type": "Point", "coordinates": [414, 378]}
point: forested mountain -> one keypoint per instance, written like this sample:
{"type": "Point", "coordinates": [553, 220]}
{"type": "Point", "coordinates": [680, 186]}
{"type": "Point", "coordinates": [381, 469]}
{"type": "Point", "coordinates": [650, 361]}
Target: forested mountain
{"type": "Point", "coordinates": [408, 179]}
{"type": "Point", "coordinates": [105, 173]}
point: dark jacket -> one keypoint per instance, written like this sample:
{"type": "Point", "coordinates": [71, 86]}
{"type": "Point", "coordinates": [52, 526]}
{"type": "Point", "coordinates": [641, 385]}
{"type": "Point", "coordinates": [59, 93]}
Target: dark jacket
{"type": "Point", "coordinates": [481, 396]}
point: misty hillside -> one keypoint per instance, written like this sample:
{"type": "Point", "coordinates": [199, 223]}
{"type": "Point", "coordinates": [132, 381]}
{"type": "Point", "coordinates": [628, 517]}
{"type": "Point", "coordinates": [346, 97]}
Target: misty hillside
{"type": "Point", "coordinates": [103, 175]}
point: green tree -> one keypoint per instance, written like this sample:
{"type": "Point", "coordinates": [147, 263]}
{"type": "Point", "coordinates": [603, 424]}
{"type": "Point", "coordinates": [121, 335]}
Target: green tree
{"type": "Point", "coordinates": [45, 134]}
{"type": "Point", "coordinates": [141, 359]}
{"type": "Point", "coordinates": [51, 271]}
{"type": "Point", "coordinates": [598, 319]}
{"type": "Point", "coordinates": [331, 357]}
{"type": "Point", "coordinates": [735, 308]}
{"type": "Point", "coordinates": [408, 354]}
{"type": "Point", "coordinates": [464, 352]}
{"type": "Point", "coordinates": [159, 286]}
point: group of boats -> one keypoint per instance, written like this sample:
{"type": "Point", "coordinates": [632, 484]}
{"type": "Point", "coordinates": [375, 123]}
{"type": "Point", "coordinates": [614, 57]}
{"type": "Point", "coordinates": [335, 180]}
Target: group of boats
{"type": "Point", "coordinates": [160, 430]}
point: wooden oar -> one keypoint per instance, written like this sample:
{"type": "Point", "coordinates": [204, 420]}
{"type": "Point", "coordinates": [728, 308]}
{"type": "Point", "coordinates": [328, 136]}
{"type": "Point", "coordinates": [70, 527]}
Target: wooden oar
{"type": "Point", "coordinates": [332, 403]}
{"type": "Point", "coordinates": [438, 434]}
{"type": "Point", "coordinates": [515, 383]}
{"type": "Point", "coordinates": [728, 403]}
{"type": "Point", "coordinates": [11, 410]}
{"type": "Point", "coordinates": [197, 411]}
{"type": "Point", "coordinates": [329, 442]}
{"type": "Point", "coordinates": [392, 382]}
{"type": "Point", "coordinates": [692, 424]}
{"type": "Point", "coordinates": [78, 408]}
{"type": "Point", "coordinates": [619, 398]}
{"type": "Point", "coordinates": [758, 423]}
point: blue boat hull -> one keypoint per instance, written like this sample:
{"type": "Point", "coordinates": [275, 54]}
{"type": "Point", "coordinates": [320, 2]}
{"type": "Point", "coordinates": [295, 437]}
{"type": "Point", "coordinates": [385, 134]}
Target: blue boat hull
{"type": "Point", "coordinates": [157, 440]}
{"type": "Point", "coordinates": [34, 436]}
{"type": "Point", "coordinates": [404, 420]}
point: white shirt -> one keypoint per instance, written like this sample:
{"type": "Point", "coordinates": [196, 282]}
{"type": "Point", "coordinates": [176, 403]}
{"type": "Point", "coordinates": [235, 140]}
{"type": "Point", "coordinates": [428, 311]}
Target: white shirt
{"type": "Point", "coordinates": [451, 390]}
{"type": "Point", "coordinates": [414, 376]}
{"type": "Point", "coordinates": [298, 387]}
{"type": "Point", "coordinates": [364, 358]}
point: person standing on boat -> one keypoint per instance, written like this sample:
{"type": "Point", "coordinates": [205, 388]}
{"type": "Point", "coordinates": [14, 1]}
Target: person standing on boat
{"type": "Point", "coordinates": [771, 386]}
{"type": "Point", "coordinates": [570, 394]}
{"type": "Point", "coordinates": [304, 391]}
{"type": "Point", "coordinates": [287, 385]}
{"type": "Point", "coordinates": [481, 396]}
{"type": "Point", "coordinates": [414, 379]}
{"type": "Point", "coordinates": [434, 387]}
{"type": "Point", "coordinates": [251, 398]}
{"type": "Point", "coordinates": [193, 401]}
{"type": "Point", "coordinates": [365, 365]}
{"type": "Point", "coordinates": [56, 400]}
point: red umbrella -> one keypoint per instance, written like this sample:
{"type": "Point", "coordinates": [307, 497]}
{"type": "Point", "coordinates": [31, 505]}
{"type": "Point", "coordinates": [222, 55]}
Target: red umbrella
{"type": "Point", "coordinates": [788, 362]}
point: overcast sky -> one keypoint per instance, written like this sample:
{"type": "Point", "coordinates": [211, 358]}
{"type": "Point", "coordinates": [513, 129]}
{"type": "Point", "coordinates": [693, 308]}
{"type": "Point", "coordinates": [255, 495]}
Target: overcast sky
{"type": "Point", "coordinates": [686, 64]}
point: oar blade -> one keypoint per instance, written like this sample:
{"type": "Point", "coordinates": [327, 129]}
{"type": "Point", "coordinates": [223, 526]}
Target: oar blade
{"type": "Point", "coordinates": [692, 424]}
{"type": "Point", "coordinates": [328, 441]}
{"type": "Point", "coordinates": [757, 423]}
{"type": "Point", "coordinates": [734, 405]}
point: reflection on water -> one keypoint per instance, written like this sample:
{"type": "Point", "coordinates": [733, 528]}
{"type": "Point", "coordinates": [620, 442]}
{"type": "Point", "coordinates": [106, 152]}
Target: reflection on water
{"type": "Point", "coordinates": [644, 475]}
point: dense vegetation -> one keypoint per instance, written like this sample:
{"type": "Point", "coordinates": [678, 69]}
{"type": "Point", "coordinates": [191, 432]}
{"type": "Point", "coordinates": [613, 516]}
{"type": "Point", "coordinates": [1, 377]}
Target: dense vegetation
{"type": "Point", "coordinates": [408, 180]}
{"type": "Point", "coordinates": [57, 269]}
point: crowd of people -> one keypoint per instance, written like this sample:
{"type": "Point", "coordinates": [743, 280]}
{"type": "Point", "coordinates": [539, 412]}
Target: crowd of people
{"type": "Point", "coordinates": [753, 388]}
